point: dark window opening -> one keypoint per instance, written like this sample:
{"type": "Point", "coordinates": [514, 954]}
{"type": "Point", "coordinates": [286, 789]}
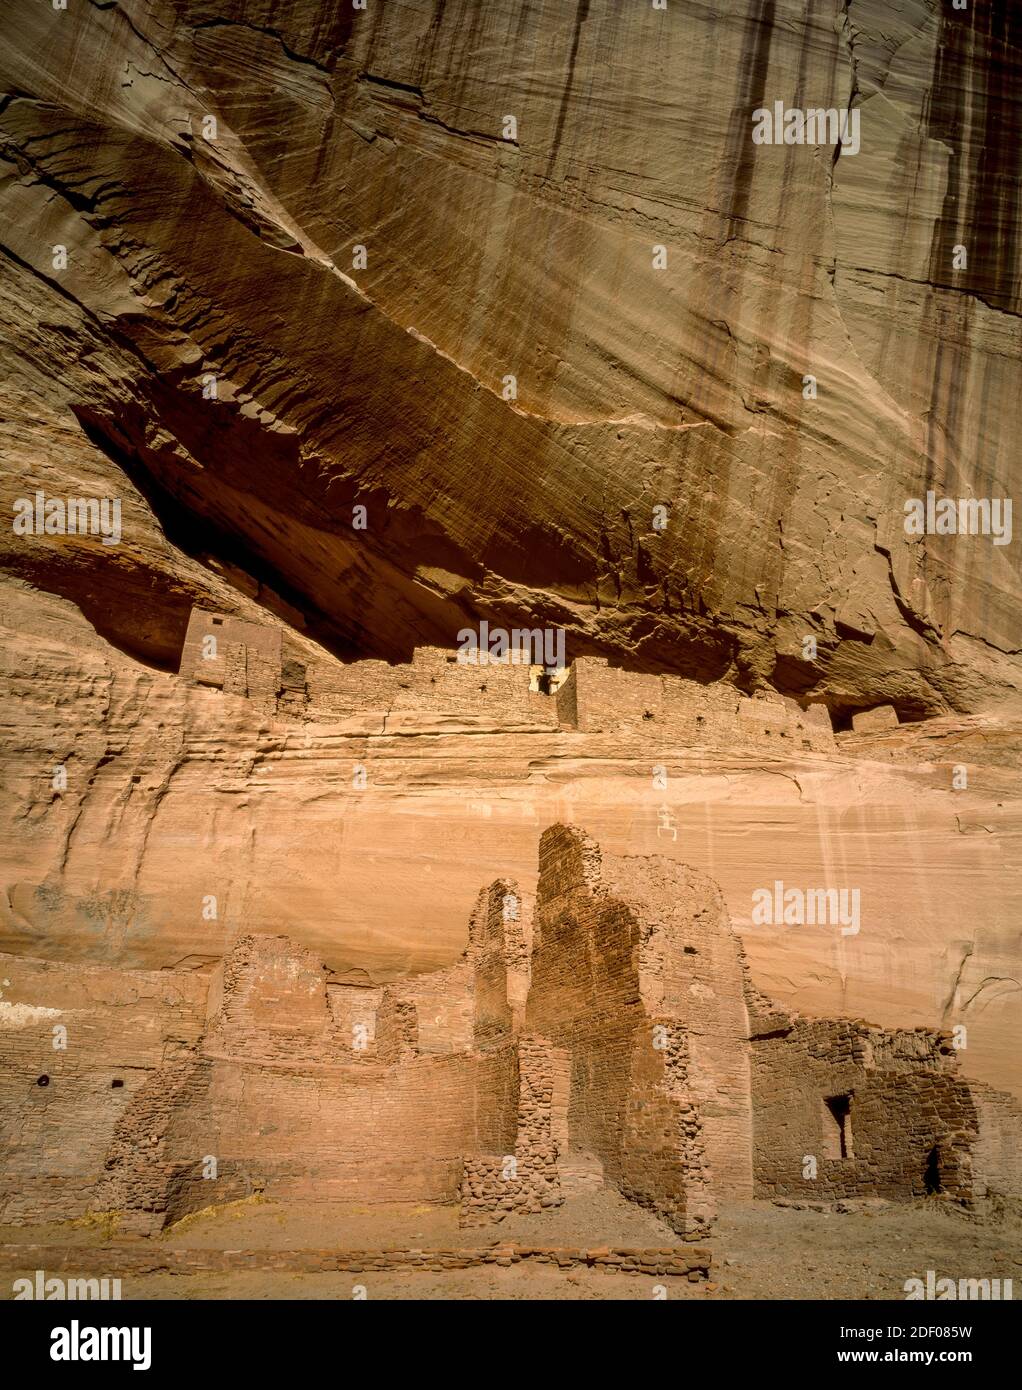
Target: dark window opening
{"type": "Point", "coordinates": [647, 714]}
{"type": "Point", "coordinates": [691, 951]}
{"type": "Point", "coordinates": [838, 1126]}
{"type": "Point", "coordinates": [43, 1081]}
{"type": "Point", "coordinates": [931, 1178]}
{"type": "Point", "coordinates": [544, 682]}
{"type": "Point", "coordinates": [218, 622]}
{"type": "Point", "coordinates": [116, 1083]}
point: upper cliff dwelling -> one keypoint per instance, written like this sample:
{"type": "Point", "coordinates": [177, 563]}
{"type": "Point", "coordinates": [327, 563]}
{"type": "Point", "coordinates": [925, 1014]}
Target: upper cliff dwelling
{"type": "Point", "coordinates": [511, 727]}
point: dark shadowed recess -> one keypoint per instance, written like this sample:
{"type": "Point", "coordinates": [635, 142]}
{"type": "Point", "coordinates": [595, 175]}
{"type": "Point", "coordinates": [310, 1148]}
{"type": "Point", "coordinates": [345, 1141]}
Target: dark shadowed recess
{"type": "Point", "coordinates": [975, 110]}
{"type": "Point", "coordinates": [145, 613]}
{"type": "Point", "coordinates": [681, 639]}
{"type": "Point", "coordinates": [201, 539]}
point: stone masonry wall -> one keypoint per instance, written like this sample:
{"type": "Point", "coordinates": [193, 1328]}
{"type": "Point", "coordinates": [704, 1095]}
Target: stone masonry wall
{"type": "Point", "coordinates": [276, 1099]}
{"type": "Point", "coordinates": [997, 1154]}
{"type": "Point", "coordinates": [65, 1096]}
{"type": "Point", "coordinates": [593, 697]}
{"type": "Point", "coordinates": [248, 657]}
{"type": "Point", "coordinates": [434, 681]}
{"type": "Point", "coordinates": [369, 1132]}
{"type": "Point", "coordinates": [444, 1004]}
{"type": "Point", "coordinates": [143, 1258]}
{"type": "Point", "coordinates": [604, 698]}
{"type": "Point", "coordinates": [488, 953]}
{"type": "Point", "coordinates": [140, 1173]}
{"type": "Point", "coordinates": [268, 999]}
{"type": "Point", "coordinates": [525, 1180]}
{"type": "Point", "coordinates": [630, 1104]}
{"type": "Point", "coordinates": [353, 1010]}
{"type": "Point", "coordinates": [664, 1164]}
{"type": "Point", "coordinates": [182, 1089]}
{"type": "Point", "coordinates": [631, 1037]}
{"type": "Point", "coordinates": [690, 970]}
{"type": "Point", "coordinates": [881, 1113]}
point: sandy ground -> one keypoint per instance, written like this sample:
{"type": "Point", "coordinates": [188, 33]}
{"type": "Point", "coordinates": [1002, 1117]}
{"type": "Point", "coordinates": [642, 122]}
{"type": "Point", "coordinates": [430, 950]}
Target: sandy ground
{"type": "Point", "coordinates": [761, 1251]}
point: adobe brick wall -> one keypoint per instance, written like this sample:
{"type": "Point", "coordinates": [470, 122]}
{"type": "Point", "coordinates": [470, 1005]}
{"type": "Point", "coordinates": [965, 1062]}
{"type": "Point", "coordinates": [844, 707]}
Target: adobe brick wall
{"type": "Point", "coordinates": [369, 1132]}
{"type": "Point", "coordinates": [604, 975]}
{"type": "Point", "coordinates": [601, 698]}
{"type": "Point", "coordinates": [500, 692]}
{"type": "Point", "coordinates": [906, 1101]}
{"type": "Point", "coordinates": [122, 1026]}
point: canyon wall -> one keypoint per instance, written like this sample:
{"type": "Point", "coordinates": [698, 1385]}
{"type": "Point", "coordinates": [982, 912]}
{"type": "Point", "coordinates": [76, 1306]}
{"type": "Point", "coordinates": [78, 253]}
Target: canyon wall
{"type": "Point", "coordinates": [190, 816]}
{"type": "Point", "coordinates": [378, 324]}
{"type": "Point", "coordinates": [306, 253]}
{"type": "Point", "coordinates": [644, 1060]}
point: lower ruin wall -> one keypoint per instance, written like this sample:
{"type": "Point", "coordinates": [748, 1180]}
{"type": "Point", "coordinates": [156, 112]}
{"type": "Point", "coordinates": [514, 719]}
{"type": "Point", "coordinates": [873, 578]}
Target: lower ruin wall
{"type": "Point", "coordinates": [843, 1110]}
{"type": "Point", "coordinates": [323, 1133]}
{"type": "Point", "coordinates": [997, 1152]}
{"type": "Point", "coordinates": [526, 1180]}
{"type": "Point", "coordinates": [623, 986]}
{"type": "Point", "coordinates": [607, 1033]}
{"type": "Point", "coordinates": [683, 1261]}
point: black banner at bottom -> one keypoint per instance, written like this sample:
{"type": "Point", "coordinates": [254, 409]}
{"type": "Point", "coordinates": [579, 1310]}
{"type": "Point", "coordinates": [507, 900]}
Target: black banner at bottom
{"type": "Point", "coordinates": [174, 1339]}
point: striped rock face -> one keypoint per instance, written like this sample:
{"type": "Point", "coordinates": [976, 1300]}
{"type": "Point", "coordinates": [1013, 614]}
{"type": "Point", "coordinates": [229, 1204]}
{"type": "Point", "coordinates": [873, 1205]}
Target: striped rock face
{"type": "Point", "coordinates": [401, 318]}
{"type": "Point", "coordinates": [426, 424]}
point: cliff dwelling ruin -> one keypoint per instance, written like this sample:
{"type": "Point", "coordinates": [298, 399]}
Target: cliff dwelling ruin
{"type": "Point", "coordinates": [599, 1034]}
{"type": "Point", "coordinates": [604, 1032]}
{"type": "Point", "coordinates": [510, 657]}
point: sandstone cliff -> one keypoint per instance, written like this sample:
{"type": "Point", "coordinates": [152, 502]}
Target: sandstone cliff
{"type": "Point", "coordinates": [216, 352]}
{"type": "Point", "coordinates": [228, 252]}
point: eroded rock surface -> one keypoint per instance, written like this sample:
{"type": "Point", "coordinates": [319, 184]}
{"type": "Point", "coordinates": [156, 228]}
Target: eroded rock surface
{"type": "Point", "coordinates": [192, 257]}
{"type": "Point", "coordinates": [192, 816]}
{"type": "Point", "coordinates": [379, 324]}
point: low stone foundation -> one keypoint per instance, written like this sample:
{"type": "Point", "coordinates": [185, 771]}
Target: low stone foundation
{"type": "Point", "coordinates": [120, 1261]}
{"type": "Point", "coordinates": [493, 1186]}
